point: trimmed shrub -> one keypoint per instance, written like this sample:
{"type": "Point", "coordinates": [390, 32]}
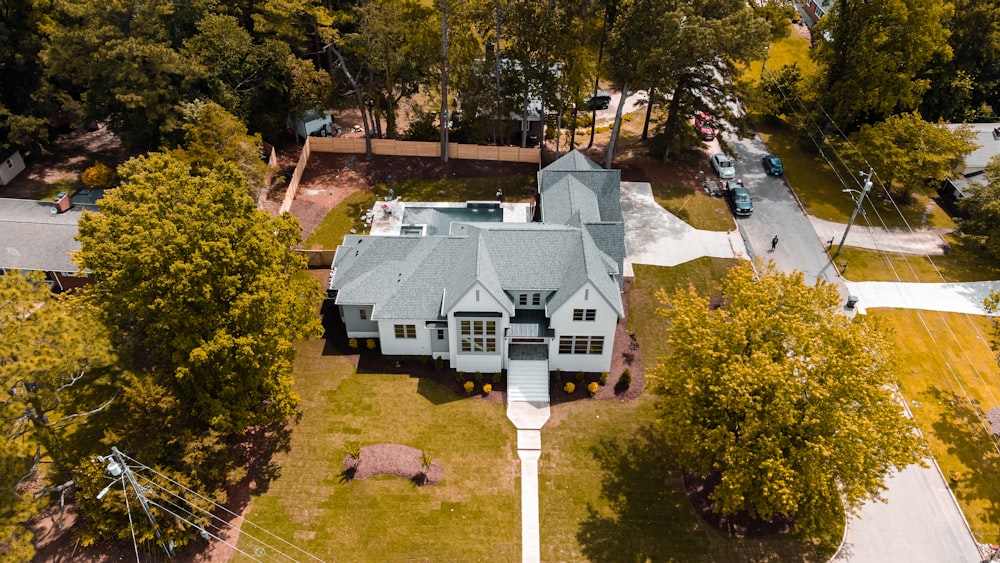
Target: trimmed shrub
{"type": "Point", "coordinates": [459, 377]}
{"type": "Point", "coordinates": [487, 389]}
{"type": "Point", "coordinates": [353, 449]}
{"type": "Point", "coordinates": [478, 377]}
{"type": "Point", "coordinates": [99, 175]}
{"type": "Point", "coordinates": [604, 378]}
{"type": "Point", "coordinates": [370, 344]}
{"type": "Point", "coordinates": [496, 378]}
{"type": "Point", "coordinates": [353, 343]}
{"type": "Point", "coordinates": [469, 387]}
{"type": "Point", "coordinates": [425, 459]}
{"type": "Point", "coordinates": [558, 375]}
{"type": "Point", "coordinates": [626, 378]}
{"type": "Point", "coordinates": [569, 388]}
{"type": "Point", "coordinates": [579, 377]}
{"type": "Point", "coordinates": [439, 363]}
{"type": "Point", "coordinates": [592, 387]}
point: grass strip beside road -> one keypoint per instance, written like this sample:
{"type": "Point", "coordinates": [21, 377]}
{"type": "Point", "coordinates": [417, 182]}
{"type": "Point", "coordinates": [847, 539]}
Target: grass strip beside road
{"type": "Point", "coordinates": [948, 376]}
{"type": "Point", "coordinates": [962, 264]}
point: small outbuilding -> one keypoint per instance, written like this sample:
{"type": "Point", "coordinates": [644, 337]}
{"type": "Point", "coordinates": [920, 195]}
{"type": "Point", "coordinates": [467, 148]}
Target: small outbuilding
{"type": "Point", "coordinates": [11, 164]}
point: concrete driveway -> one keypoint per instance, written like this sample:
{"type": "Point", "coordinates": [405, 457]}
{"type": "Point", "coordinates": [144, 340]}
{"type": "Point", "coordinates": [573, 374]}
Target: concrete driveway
{"type": "Point", "coordinates": [655, 236]}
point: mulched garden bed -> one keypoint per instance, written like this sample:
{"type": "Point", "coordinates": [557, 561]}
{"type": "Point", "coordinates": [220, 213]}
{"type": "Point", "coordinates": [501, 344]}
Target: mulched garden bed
{"type": "Point", "coordinates": [392, 459]}
{"type": "Point", "coordinates": [740, 525]}
{"type": "Point", "coordinates": [626, 355]}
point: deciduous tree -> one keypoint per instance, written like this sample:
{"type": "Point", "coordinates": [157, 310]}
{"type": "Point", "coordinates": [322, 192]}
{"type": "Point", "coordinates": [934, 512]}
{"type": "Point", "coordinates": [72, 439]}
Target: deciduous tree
{"type": "Point", "coordinates": [875, 55]}
{"type": "Point", "coordinates": [201, 285]}
{"type": "Point", "coordinates": [783, 399]}
{"type": "Point", "coordinates": [910, 154]}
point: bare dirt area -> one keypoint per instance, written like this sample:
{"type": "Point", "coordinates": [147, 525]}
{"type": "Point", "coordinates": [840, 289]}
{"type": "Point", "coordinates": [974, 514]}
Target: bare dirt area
{"type": "Point", "coordinates": [68, 157]}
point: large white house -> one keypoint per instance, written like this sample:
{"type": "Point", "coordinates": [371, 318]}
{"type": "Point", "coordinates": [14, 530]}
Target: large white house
{"type": "Point", "coordinates": [482, 295]}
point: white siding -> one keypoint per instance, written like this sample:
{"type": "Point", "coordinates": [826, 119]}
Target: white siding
{"type": "Point", "coordinates": [477, 300]}
{"type": "Point", "coordinates": [392, 346]}
{"type": "Point", "coordinates": [604, 324]}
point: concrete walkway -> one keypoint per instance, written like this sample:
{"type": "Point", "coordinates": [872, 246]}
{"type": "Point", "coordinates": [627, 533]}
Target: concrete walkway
{"type": "Point", "coordinates": [657, 237]}
{"type": "Point", "coordinates": [963, 297]}
{"type": "Point", "coordinates": [904, 241]}
{"type": "Point", "coordinates": [529, 418]}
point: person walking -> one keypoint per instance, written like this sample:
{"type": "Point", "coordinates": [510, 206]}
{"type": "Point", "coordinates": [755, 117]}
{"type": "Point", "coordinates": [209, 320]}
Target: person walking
{"type": "Point", "coordinates": [774, 243]}
{"type": "Point", "coordinates": [499, 194]}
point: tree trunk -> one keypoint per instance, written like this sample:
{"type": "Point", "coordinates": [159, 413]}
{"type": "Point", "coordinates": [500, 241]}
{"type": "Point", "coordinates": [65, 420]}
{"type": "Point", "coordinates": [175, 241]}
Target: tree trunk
{"type": "Point", "coordinates": [616, 128]}
{"type": "Point", "coordinates": [673, 118]}
{"type": "Point", "coordinates": [357, 96]}
{"type": "Point", "coordinates": [649, 113]}
{"type": "Point", "coordinates": [444, 81]}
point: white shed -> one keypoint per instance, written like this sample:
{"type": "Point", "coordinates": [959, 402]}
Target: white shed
{"type": "Point", "coordinates": [11, 164]}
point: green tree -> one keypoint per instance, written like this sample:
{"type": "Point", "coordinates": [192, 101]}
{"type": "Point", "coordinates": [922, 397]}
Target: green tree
{"type": "Point", "coordinates": [875, 55]}
{"type": "Point", "coordinates": [213, 136]}
{"type": "Point", "coordinates": [910, 154]}
{"type": "Point", "coordinates": [249, 78]}
{"type": "Point", "coordinates": [982, 209]}
{"type": "Point", "coordinates": [52, 361]}
{"type": "Point", "coordinates": [201, 285]}
{"type": "Point", "coordinates": [782, 398]}
{"type": "Point", "coordinates": [398, 42]}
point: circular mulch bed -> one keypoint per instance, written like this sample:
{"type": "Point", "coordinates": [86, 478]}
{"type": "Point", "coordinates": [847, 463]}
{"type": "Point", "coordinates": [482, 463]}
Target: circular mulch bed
{"type": "Point", "coordinates": [393, 459]}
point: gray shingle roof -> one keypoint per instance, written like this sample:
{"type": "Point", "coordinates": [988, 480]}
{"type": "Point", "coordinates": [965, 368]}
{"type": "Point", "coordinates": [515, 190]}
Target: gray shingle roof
{"type": "Point", "coordinates": [34, 238]}
{"type": "Point", "coordinates": [423, 277]}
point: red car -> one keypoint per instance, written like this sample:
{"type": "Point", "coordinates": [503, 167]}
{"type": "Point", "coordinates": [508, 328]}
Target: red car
{"type": "Point", "coordinates": [703, 126]}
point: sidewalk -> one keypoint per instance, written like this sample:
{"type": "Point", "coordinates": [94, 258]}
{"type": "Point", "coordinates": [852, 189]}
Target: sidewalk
{"type": "Point", "coordinates": [918, 241]}
{"type": "Point", "coordinates": [963, 297]}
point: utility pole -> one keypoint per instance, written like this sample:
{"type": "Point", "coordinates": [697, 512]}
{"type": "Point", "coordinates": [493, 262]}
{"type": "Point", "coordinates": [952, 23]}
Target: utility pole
{"type": "Point", "coordinates": [444, 80]}
{"type": "Point", "coordinates": [116, 467]}
{"type": "Point", "coordinates": [861, 200]}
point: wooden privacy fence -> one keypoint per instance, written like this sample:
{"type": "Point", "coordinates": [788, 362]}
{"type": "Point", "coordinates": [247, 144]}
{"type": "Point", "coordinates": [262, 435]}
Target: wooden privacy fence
{"type": "Point", "coordinates": [317, 258]}
{"type": "Point", "coordinates": [356, 145]}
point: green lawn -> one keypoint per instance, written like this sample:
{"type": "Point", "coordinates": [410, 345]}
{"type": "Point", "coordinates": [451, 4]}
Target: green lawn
{"type": "Point", "coordinates": [948, 376]}
{"type": "Point", "coordinates": [821, 192]}
{"type": "Point", "coordinates": [694, 206]}
{"type": "Point", "coordinates": [347, 215]}
{"type": "Point", "coordinates": [786, 51]}
{"type": "Point", "coordinates": [473, 514]}
{"type": "Point", "coordinates": [959, 265]}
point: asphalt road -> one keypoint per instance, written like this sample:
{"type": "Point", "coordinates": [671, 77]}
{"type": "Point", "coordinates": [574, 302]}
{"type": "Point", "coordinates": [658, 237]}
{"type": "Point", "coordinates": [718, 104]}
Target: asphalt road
{"type": "Point", "coordinates": [921, 521]}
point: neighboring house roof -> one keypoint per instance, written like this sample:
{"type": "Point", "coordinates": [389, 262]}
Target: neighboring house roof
{"type": "Point", "coordinates": [424, 277]}
{"type": "Point", "coordinates": [988, 139]}
{"type": "Point", "coordinates": [32, 237]}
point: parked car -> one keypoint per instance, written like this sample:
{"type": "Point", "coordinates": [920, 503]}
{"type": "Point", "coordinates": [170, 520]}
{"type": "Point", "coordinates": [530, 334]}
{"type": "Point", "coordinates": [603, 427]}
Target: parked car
{"type": "Point", "coordinates": [723, 166]}
{"type": "Point", "coordinates": [704, 126]}
{"type": "Point", "coordinates": [772, 165]}
{"type": "Point", "coordinates": [600, 100]}
{"type": "Point", "coordinates": [739, 199]}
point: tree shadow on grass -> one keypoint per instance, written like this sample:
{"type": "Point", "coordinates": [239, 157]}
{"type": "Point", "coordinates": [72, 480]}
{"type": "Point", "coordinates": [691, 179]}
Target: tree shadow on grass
{"type": "Point", "coordinates": [960, 427]}
{"type": "Point", "coordinates": [648, 518]}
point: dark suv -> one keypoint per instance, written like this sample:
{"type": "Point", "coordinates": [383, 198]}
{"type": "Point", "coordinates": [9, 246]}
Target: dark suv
{"type": "Point", "coordinates": [739, 199]}
{"type": "Point", "coordinates": [600, 100]}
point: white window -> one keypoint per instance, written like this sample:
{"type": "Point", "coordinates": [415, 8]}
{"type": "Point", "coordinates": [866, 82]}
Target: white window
{"type": "Point", "coordinates": [406, 331]}
{"type": "Point", "coordinates": [536, 299]}
{"type": "Point", "coordinates": [592, 345]}
{"type": "Point", "coordinates": [478, 337]}
{"type": "Point", "coordinates": [522, 299]}
{"type": "Point", "coordinates": [584, 314]}
{"type": "Point", "coordinates": [363, 314]}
